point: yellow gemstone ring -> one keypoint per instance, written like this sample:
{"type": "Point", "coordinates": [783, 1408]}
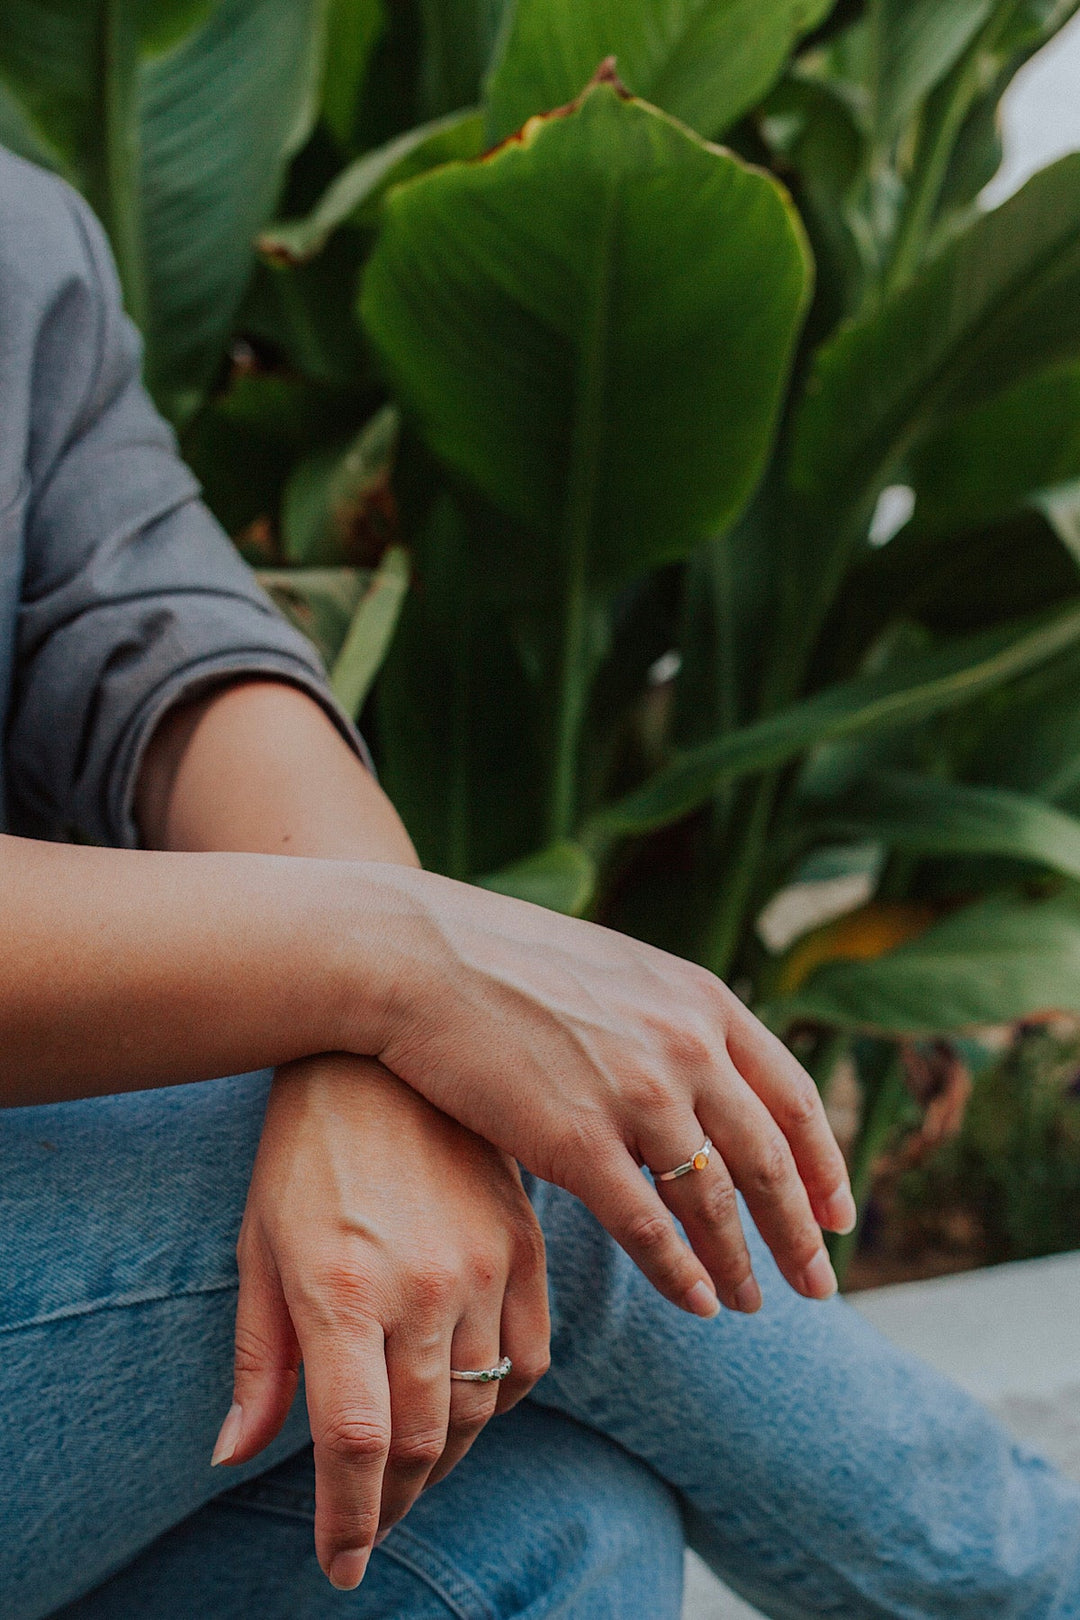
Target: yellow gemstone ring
{"type": "Point", "coordinates": [698, 1162]}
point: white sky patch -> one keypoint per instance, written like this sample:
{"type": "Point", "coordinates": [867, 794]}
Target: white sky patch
{"type": "Point", "coordinates": [895, 505]}
{"type": "Point", "coordinates": [1040, 114]}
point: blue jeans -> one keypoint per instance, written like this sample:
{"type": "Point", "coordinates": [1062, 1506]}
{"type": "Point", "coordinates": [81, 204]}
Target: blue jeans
{"type": "Point", "coordinates": [820, 1471]}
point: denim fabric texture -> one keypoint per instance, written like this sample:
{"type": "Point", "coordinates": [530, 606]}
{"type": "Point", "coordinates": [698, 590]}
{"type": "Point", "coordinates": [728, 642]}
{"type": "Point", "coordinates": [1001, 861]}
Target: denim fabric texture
{"type": "Point", "coordinates": [819, 1470]}
{"type": "Point", "coordinates": [117, 1298]}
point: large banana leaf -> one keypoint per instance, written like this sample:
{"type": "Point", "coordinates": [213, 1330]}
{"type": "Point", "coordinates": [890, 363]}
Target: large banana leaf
{"type": "Point", "coordinates": [593, 327]}
{"type": "Point", "coordinates": [176, 118]}
{"type": "Point", "coordinates": [908, 690]}
{"type": "Point", "coordinates": [912, 45]}
{"type": "Point", "coordinates": [999, 302]}
{"type": "Point", "coordinates": [990, 963]}
{"type": "Point", "coordinates": [983, 465]}
{"type": "Point", "coordinates": [933, 817]}
{"type": "Point", "coordinates": [705, 61]}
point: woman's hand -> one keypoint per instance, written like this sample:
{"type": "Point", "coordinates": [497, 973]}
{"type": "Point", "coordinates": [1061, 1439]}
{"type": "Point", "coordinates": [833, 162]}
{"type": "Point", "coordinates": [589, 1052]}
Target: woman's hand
{"type": "Point", "coordinates": [382, 1244]}
{"type": "Point", "coordinates": [587, 1054]}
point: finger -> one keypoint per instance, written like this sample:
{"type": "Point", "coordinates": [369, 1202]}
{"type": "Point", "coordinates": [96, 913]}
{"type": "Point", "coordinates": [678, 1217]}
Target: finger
{"type": "Point", "coordinates": [475, 1347]}
{"type": "Point", "coordinates": [704, 1201]}
{"type": "Point", "coordinates": [418, 1368]}
{"type": "Point", "coordinates": [525, 1329]}
{"type": "Point", "coordinates": [348, 1400]}
{"type": "Point", "coordinates": [266, 1365]}
{"type": "Point", "coordinates": [763, 1168]}
{"type": "Point", "coordinates": [630, 1208]}
{"type": "Point", "coordinates": [794, 1101]}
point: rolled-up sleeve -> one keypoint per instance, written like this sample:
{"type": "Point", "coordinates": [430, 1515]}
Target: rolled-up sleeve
{"type": "Point", "coordinates": [132, 597]}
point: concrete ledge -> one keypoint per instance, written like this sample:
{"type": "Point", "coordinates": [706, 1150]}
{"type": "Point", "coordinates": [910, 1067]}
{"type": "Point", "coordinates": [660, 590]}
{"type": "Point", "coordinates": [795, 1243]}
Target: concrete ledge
{"type": "Point", "coordinates": [1009, 1335]}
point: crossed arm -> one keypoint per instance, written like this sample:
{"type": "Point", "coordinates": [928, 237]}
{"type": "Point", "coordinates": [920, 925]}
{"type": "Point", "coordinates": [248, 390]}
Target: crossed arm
{"type": "Point", "coordinates": [468, 1029]}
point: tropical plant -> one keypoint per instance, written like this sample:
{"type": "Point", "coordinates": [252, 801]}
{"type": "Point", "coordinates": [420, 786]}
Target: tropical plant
{"type": "Point", "coordinates": [744, 594]}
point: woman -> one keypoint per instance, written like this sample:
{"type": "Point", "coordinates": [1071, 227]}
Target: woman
{"type": "Point", "coordinates": [263, 908]}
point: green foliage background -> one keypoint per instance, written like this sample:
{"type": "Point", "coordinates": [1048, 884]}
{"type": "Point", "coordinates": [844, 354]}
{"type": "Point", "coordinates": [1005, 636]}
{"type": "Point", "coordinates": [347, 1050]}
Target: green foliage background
{"type": "Point", "coordinates": [426, 292]}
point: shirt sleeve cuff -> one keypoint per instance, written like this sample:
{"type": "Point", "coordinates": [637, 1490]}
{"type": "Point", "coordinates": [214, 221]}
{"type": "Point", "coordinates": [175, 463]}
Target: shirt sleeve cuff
{"type": "Point", "coordinates": [195, 681]}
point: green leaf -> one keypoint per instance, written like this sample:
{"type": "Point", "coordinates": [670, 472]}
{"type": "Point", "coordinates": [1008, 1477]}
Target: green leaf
{"type": "Point", "coordinates": [593, 326]}
{"type": "Point", "coordinates": [562, 878]}
{"type": "Point", "coordinates": [932, 817]}
{"type": "Point", "coordinates": [1000, 301]}
{"type": "Point", "coordinates": [371, 631]}
{"type": "Point", "coordinates": [704, 61]}
{"type": "Point", "coordinates": [459, 37]}
{"type": "Point", "coordinates": [911, 689]}
{"type": "Point", "coordinates": [354, 195]}
{"type": "Point", "coordinates": [457, 714]}
{"type": "Point", "coordinates": [913, 44]}
{"type": "Point", "coordinates": [318, 601]}
{"type": "Point", "coordinates": [329, 493]}
{"type": "Point", "coordinates": [983, 465]}
{"type": "Point", "coordinates": [991, 963]}
{"type": "Point", "coordinates": [181, 151]}
{"type": "Point", "coordinates": [352, 29]}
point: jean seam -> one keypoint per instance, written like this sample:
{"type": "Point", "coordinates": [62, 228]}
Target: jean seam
{"type": "Point", "coordinates": [449, 1583]}
{"type": "Point", "coordinates": [120, 1303]}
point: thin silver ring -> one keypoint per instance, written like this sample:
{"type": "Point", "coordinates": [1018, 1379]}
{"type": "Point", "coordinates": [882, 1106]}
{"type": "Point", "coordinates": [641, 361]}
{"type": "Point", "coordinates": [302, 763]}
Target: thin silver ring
{"type": "Point", "coordinates": [697, 1161]}
{"type": "Point", "coordinates": [484, 1375]}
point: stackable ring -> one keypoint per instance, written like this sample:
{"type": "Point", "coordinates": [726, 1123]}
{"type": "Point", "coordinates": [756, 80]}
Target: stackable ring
{"type": "Point", "coordinates": [484, 1375]}
{"type": "Point", "coordinates": [697, 1162]}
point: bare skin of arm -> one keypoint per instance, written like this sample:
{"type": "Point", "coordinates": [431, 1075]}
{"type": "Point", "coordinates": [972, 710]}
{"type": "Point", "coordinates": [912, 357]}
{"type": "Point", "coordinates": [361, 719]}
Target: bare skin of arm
{"type": "Point", "coordinates": [581, 1053]}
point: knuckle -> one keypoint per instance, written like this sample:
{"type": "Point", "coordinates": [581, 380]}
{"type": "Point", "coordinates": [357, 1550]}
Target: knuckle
{"type": "Point", "coordinates": [582, 1144]}
{"type": "Point", "coordinates": [467, 1421]}
{"type": "Point", "coordinates": [484, 1267]}
{"type": "Point", "coordinates": [433, 1285]}
{"type": "Point", "coordinates": [530, 1251]}
{"type": "Point", "coordinates": [692, 1047]}
{"type": "Point", "coordinates": [772, 1168]}
{"type": "Point", "coordinates": [420, 1450]}
{"type": "Point", "coordinates": [719, 1206]}
{"type": "Point", "coordinates": [649, 1094]}
{"type": "Point", "coordinates": [802, 1104]}
{"type": "Point", "coordinates": [650, 1233]}
{"type": "Point", "coordinates": [355, 1439]}
{"type": "Point", "coordinates": [254, 1353]}
{"type": "Point", "coordinates": [337, 1293]}
{"type": "Point", "coordinates": [529, 1369]}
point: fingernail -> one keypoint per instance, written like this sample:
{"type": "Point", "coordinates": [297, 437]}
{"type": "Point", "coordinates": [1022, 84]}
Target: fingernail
{"type": "Point", "coordinates": [701, 1300]}
{"type": "Point", "coordinates": [229, 1437]}
{"type": "Point", "coordinates": [840, 1212]}
{"type": "Point", "coordinates": [748, 1296]}
{"type": "Point", "coordinates": [347, 1569]}
{"type": "Point", "coordinates": [819, 1278]}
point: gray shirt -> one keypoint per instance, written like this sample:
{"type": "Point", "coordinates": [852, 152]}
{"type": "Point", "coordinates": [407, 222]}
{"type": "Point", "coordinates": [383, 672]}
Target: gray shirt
{"type": "Point", "coordinates": [119, 594]}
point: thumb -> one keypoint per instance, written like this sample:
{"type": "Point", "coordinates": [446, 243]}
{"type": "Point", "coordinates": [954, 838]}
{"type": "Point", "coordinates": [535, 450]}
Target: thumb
{"type": "Point", "coordinates": [267, 1364]}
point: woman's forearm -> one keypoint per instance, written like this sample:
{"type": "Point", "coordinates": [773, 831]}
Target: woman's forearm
{"type": "Point", "coordinates": [127, 969]}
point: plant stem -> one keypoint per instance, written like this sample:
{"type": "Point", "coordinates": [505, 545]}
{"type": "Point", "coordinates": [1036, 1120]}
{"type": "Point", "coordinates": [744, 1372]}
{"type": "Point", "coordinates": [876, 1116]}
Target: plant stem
{"type": "Point", "coordinates": [572, 667]}
{"type": "Point", "coordinates": [945, 115]}
{"type": "Point", "coordinates": [114, 187]}
{"type": "Point", "coordinates": [724, 933]}
{"type": "Point", "coordinates": [571, 684]}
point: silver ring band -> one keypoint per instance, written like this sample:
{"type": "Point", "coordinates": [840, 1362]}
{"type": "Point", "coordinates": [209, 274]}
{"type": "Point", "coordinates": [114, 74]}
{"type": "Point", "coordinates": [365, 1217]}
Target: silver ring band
{"type": "Point", "coordinates": [484, 1375]}
{"type": "Point", "coordinates": [698, 1162]}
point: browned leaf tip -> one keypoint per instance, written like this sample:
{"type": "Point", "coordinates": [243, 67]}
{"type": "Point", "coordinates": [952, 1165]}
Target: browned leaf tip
{"type": "Point", "coordinates": [605, 74]}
